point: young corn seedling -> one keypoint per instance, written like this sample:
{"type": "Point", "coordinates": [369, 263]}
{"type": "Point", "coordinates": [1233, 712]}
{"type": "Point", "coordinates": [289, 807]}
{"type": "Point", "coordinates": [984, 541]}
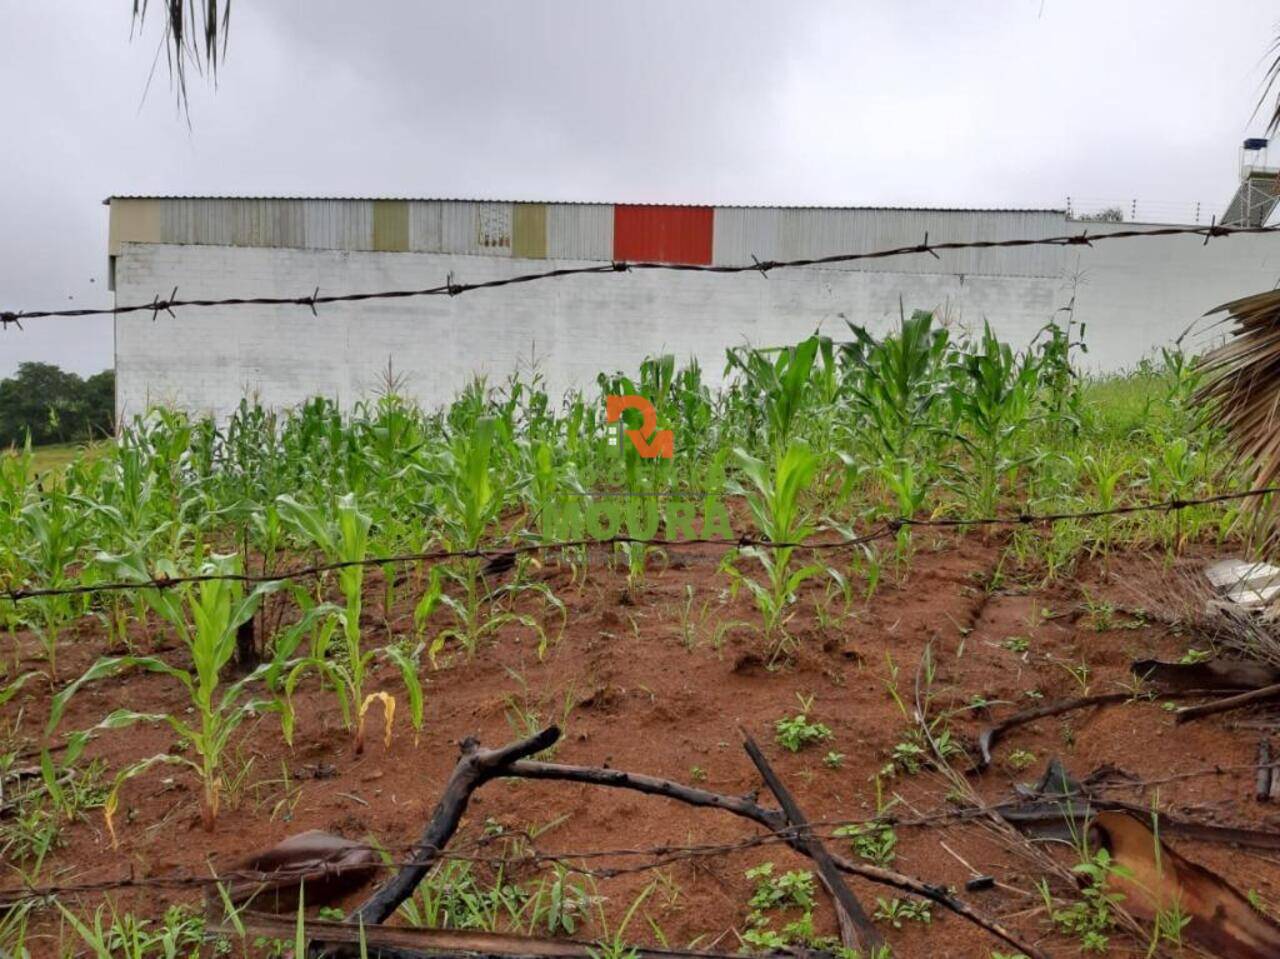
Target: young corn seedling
{"type": "Point", "coordinates": [53, 528]}
{"type": "Point", "coordinates": [909, 498]}
{"type": "Point", "coordinates": [774, 498]}
{"type": "Point", "coordinates": [992, 399]}
{"type": "Point", "coordinates": [205, 617]}
{"type": "Point", "coordinates": [127, 936]}
{"type": "Point", "coordinates": [344, 539]}
{"type": "Point", "coordinates": [471, 503]}
{"type": "Point", "coordinates": [612, 943]}
{"type": "Point", "coordinates": [1105, 473]}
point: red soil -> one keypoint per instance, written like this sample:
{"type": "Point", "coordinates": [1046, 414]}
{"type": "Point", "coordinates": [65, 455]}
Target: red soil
{"type": "Point", "coordinates": [646, 703]}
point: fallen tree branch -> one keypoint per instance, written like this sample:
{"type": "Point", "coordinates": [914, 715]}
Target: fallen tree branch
{"type": "Point", "coordinates": [770, 819]}
{"type": "Point", "coordinates": [475, 767]}
{"type": "Point", "coordinates": [988, 738]}
{"type": "Point", "coordinates": [651, 785]}
{"type": "Point", "coordinates": [1229, 703]}
{"type": "Point", "coordinates": [856, 930]}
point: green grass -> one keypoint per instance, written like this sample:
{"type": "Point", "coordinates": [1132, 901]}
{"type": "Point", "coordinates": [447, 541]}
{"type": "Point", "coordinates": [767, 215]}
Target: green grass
{"type": "Point", "coordinates": [57, 456]}
{"type": "Point", "coordinates": [1126, 402]}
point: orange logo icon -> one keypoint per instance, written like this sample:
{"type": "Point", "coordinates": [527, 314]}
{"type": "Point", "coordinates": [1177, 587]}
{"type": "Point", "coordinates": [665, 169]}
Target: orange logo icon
{"type": "Point", "coordinates": [649, 441]}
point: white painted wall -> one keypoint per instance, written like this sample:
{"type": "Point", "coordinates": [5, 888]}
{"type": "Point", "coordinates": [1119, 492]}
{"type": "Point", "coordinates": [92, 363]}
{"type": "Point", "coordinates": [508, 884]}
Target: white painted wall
{"type": "Point", "coordinates": [1140, 294]}
{"type": "Point", "coordinates": [1135, 295]}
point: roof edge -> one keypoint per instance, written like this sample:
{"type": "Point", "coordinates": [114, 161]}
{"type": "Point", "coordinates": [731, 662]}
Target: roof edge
{"type": "Point", "coordinates": [442, 199]}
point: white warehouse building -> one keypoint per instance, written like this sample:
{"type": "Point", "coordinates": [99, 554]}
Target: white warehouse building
{"type": "Point", "coordinates": [1134, 295]}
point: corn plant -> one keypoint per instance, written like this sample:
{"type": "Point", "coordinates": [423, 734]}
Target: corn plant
{"type": "Point", "coordinates": [645, 481]}
{"type": "Point", "coordinates": [541, 483]}
{"type": "Point", "coordinates": [1105, 473]}
{"type": "Point", "coordinates": [897, 387]}
{"type": "Point", "coordinates": [344, 539]}
{"type": "Point", "coordinates": [16, 470]}
{"type": "Point", "coordinates": [1176, 472]}
{"type": "Point", "coordinates": [114, 935]}
{"type": "Point", "coordinates": [909, 498]}
{"type": "Point", "coordinates": [1061, 393]}
{"type": "Point", "coordinates": [992, 401]}
{"type": "Point", "coordinates": [205, 617]}
{"type": "Point", "coordinates": [470, 504]}
{"type": "Point", "coordinates": [53, 526]}
{"type": "Point", "coordinates": [774, 498]}
{"type": "Point", "coordinates": [781, 384]}
{"type": "Point", "coordinates": [646, 485]}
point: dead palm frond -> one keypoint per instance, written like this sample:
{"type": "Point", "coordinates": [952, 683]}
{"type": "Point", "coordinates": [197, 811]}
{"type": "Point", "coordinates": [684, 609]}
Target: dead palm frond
{"type": "Point", "coordinates": [1241, 396]}
{"type": "Point", "coordinates": [184, 21]}
{"type": "Point", "coordinates": [1178, 595]}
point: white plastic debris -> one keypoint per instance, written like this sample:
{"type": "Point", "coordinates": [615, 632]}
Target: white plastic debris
{"type": "Point", "coordinates": [1244, 583]}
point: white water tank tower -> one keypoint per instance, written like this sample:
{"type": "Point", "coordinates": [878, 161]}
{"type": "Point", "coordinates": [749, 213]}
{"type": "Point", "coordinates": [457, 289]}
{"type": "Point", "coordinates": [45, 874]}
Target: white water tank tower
{"type": "Point", "coordinates": [1259, 188]}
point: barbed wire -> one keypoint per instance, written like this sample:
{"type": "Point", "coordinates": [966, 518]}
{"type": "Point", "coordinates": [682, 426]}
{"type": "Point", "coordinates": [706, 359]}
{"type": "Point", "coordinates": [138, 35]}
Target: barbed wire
{"type": "Point", "coordinates": [1168, 506]}
{"type": "Point", "coordinates": [886, 529]}
{"type": "Point", "coordinates": [763, 267]}
{"type": "Point", "coordinates": [659, 856]}
{"type": "Point", "coordinates": [432, 556]}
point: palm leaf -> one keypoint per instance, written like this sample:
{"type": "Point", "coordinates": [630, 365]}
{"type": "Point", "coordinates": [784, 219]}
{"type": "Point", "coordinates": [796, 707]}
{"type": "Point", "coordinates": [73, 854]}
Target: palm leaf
{"type": "Point", "coordinates": [1269, 84]}
{"type": "Point", "coordinates": [195, 31]}
{"type": "Point", "coordinates": [1241, 396]}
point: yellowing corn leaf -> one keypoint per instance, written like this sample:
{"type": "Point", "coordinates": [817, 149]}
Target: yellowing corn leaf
{"type": "Point", "coordinates": [388, 712]}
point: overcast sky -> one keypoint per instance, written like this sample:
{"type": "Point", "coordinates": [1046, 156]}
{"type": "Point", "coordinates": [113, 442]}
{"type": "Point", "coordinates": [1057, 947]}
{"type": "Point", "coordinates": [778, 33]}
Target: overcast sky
{"type": "Point", "coordinates": [897, 102]}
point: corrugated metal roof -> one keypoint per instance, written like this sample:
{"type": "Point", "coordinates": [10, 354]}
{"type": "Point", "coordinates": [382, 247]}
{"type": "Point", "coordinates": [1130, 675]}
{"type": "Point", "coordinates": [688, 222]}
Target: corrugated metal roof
{"type": "Point", "coordinates": [681, 234]}
{"type": "Point", "coordinates": [447, 199]}
{"type": "Point", "coordinates": [662, 232]}
{"type": "Point", "coordinates": [788, 234]}
{"type": "Point", "coordinates": [580, 231]}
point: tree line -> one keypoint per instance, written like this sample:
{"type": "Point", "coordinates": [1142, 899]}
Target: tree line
{"type": "Point", "coordinates": [55, 406]}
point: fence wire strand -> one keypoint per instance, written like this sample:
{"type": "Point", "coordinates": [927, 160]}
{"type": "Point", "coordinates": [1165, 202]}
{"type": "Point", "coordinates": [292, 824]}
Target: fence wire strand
{"type": "Point", "coordinates": [886, 529]}
{"type": "Point", "coordinates": [450, 288]}
{"type": "Point", "coordinates": [656, 856]}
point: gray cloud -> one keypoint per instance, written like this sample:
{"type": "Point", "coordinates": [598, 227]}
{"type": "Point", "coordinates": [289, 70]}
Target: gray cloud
{"type": "Point", "coordinates": [987, 103]}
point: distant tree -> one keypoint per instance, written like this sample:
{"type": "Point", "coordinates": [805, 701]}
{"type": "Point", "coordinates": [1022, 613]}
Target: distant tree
{"type": "Point", "coordinates": [55, 406]}
{"type": "Point", "coordinates": [100, 404]}
{"type": "Point", "coordinates": [1112, 214]}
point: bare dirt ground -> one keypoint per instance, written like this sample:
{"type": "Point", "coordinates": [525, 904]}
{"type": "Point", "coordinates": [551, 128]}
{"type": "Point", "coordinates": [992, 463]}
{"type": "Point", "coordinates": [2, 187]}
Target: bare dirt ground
{"type": "Point", "coordinates": [648, 689]}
